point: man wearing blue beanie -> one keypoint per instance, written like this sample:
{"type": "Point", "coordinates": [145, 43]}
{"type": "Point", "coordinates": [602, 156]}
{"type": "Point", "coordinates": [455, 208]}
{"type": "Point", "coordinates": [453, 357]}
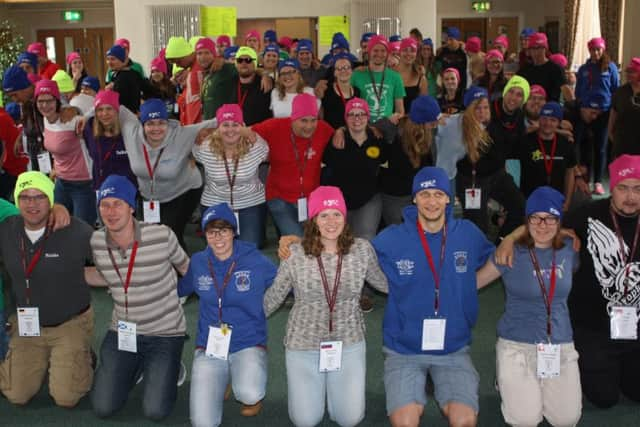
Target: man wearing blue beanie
{"type": "Point", "coordinates": [430, 261]}
{"type": "Point", "coordinates": [139, 262]}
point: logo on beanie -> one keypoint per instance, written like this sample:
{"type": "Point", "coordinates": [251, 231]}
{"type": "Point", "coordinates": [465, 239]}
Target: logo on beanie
{"type": "Point", "coordinates": [547, 111]}
{"type": "Point", "coordinates": [331, 203]}
{"type": "Point", "coordinates": [209, 215]}
{"type": "Point", "coordinates": [228, 116]}
{"type": "Point", "coordinates": [428, 184]}
{"type": "Point", "coordinates": [104, 193]}
{"type": "Point", "coordinates": [626, 171]}
{"type": "Point", "coordinates": [554, 211]}
{"type": "Point", "coordinates": [357, 105]}
{"type": "Point", "coordinates": [154, 115]}
{"type": "Point", "coordinates": [26, 184]}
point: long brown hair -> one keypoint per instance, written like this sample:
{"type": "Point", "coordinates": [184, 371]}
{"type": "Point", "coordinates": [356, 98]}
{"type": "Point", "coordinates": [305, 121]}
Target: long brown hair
{"type": "Point", "coordinates": [527, 241]}
{"type": "Point", "coordinates": [415, 140]}
{"type": "Point", "coordinates": [312, 244]}
{"type": "Point", "coordinates": [99, 129]}
{"type": "Point", "coordinates": [604, 61]}
{"type": "Point", "coordinates": [475, 137]}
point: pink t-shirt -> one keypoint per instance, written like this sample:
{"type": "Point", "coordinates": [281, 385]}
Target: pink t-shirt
{"type": "Point", "coordinates": [70, 157]}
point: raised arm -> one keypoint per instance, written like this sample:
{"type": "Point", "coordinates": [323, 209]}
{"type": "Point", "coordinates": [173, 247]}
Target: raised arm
{"type": "Point", "coordinates": [278, 291]}
{"type": "Point", "coordinates": [487, 274]}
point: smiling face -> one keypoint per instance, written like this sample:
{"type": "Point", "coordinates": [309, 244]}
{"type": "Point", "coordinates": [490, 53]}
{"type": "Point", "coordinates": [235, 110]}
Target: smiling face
{"type": "Point", "coordinates": [34, 208]}
{"type": "Point", "coordinates": [596, 53]}
{"type": "Point", "coordinates": [245, 65]}
{"type": "Point", "coordinates": [548, 126]}
{"type": "Point", "coordinates": [116, 214]}
{"type": "Point", "coordinates": [450, 81]}
{"type": "Point", "coordinates": [220, 239]}
{"type": "Point", "coordinates": [47, 106]}
{"type": "Point", "coordinates": [204, 58]}
{"type": "Point", "coordinates": [230, 132]}
{"type": "Point", "coordinates": [543, 228]}
{"type": "Point", "coordinates": [114, 63]}
{"type": "Point", "coordinates": [426, 51]}
{"type": "Point", "coordinates": [513, 99]}
{"type": "Point", "coordinates": [155, 130]}
{"type": "Point", "coordinates": [481, 111]}
{"type": "Point", "coordinates": [357, 120]}
{"type": "Point", "coordinates": [304, 127]}
{"type": "Point", "coordinates": [432, 205]}
{"type": "Point", "coordinates": [289, 78]}
{"type": "Point", "coordinates": [305, 57]}
{"type": "Point", "coordinates": [494, 66]}
{"type": "Point", "coordinates": [378, 55]}
{"type": "Point", "coordinates": [342, 70]}
{"type": "Point", "coordinates": [408, 55]}
{"type": "Point", "coordinates": [330, 223]}
{"type": "Point", "coordinates": [106, 115]}
{"type": "Point", "coordinates": [270, 60]}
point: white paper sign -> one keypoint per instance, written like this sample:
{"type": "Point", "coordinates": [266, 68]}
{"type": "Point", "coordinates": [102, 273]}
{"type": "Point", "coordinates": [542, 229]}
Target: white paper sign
{"type": "Point", "coordinates": [330, 356]}
{"type": "Point", "coordinates": [472, 197]}
{"type": "Point", "coordinates": [548, 356]}
{"type": "Point", "coordinates": [624, 323]}
{"type": "Point", "coordinates": [44, 162]}
{"type": "Point", "coordinates": [28, 321]}
{"type": "Point", "coordinates": [127, 336]}
{"type": "Point", "coordinates": [151, 211]}
{"type": "Point", "coordinates": [433, 331]}
{"type": "Point", "coordinates": [218, 342]}
{"type": "Point", "coordinates": [302, 209]}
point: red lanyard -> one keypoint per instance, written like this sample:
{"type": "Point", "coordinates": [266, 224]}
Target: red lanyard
{"type": "Point", "coordinates": [301, 164]}
{"type": "Point", "coordinates": [106, 156]}
{"type": "Point", "coordinates": [28, 269]}
{"type": "Point", "coordinates": [498, 108]}
{"type": "Point", "coordinates": [344, 101]}
{"type": "Point", "coordinates": [330, 296]}
{"type": "Point", "coordinates": [231, 178]}
{"type": "Point", "coordinates": [241, 96]}
{"type": "Point", "coordinates": [127, 281]}
{"type": "Point", "coordinates": [151, 170]}
{"type": "Point", "coordinates": [432, 267]}
{"type": "Point", "coordinates": [627, 260]}
{"type": "Point", "coordinates": [548, 162]}
{"type": "Point", "coordinates": [547, 297]}
{"type": "Point", "coordinates": [225, 282]}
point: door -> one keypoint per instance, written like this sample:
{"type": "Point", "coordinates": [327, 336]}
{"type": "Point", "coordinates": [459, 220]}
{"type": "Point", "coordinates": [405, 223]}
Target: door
{"type": "Point", "coordinates": [487, 29]}
{"type": "Point", "coordinates": [506, 26]}
{"type": "Point", "coordinates": [90, 43]}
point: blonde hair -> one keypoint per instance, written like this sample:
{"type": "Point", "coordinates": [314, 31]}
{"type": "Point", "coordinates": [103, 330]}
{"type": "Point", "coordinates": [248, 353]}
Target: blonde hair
{"type": "Point", "coordinates": [99, 129]}
{"type": "Point", "coordinates": [217, 146]}
{"type": "Point", "coordinates": [475, 137]}
{"type": "Point", "coordinates": [281, 89]}
{"type": "Point", "coordinates": [415, 139]}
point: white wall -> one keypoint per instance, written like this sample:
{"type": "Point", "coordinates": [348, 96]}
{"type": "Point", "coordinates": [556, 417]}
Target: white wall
{"type": "Point", "coordinates": [29, 18]}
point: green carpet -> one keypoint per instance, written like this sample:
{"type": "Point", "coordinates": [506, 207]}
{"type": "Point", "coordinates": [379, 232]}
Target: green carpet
{"type": "Point", "coordinates": [42, 411]}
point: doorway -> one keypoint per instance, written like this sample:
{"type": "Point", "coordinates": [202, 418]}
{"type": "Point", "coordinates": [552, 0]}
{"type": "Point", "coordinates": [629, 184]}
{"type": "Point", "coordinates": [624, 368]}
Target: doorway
{"type": "Point", "coordinates": [90, 43]}
{"type": "Point", "coordinates": [485, 28]}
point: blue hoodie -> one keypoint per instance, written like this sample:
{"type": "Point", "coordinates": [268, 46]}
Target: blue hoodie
{"type": "Point", "coordinates": [412, 288]}
{"type": "Point", "coordinates": [242, 298]}
{"type": "Point", "coordinates": [589, 77]}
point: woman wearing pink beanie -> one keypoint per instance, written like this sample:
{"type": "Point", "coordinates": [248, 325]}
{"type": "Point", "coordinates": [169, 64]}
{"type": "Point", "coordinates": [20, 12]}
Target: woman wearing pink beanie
{"type": "Point", "coordinates": [325, 347]}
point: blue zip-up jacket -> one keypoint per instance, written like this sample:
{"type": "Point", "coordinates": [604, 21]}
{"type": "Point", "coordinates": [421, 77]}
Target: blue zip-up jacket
{"type": "Point", "coordinates": [589, 77]}
{"type": "Point", "coordinates": [412, 287]}
{"type": "Point", "coordinates": [242, 298]}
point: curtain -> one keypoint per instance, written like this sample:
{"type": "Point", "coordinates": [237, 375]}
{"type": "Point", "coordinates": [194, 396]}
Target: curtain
{"type": "Point", "coordinates": [571, 8]}
{"type": "Point", "coordinates": [610, 19]}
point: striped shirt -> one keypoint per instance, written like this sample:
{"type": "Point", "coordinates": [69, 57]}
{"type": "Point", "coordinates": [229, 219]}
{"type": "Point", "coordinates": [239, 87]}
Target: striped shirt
{"type": "Point", "coordinates": [70, 157]}
{"type": "Point", "coordinates": [248, 190]}
{"type": "Point", "coordinates": [153, 303]}
{"type": "Point", "coordinates": [308, 322]}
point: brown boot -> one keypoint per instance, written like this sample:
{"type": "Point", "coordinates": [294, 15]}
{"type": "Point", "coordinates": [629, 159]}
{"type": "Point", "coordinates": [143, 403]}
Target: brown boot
{"type": "Point", "coordinates": [227, 392]}
{"type": "Point", "coordinates": [251, 410]}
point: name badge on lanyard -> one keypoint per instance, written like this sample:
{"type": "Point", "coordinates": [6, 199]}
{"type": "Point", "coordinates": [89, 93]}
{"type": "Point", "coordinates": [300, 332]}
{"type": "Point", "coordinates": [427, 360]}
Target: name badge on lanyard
{"type": "Point", "coordinates": [330, 351]}
{"type": "Point", "coordinates": [302, 209]}
{"type": "Point", "coordinates": [218, 342]}
{"type": "Point", "coordinates": [624, 323]}
{"type": "Point", "coordinates": [151, 208]}
{"type": "Point", "coordinates": [127, 336]}
{"type": "Point", "coordinates": [127, 331]}
{"type": "Point", "coordinates": [434, 329]}
{"type": "Point", "coordinates": [548, 360]}
{"type": "Point", "coordinates": [330, 356]}
{"type": "Point", "coordinates": [473, 195]}
{"type": "Point", "coordinates": [44, 162]}
{"type": "Point", "coordinates": [28, 321]}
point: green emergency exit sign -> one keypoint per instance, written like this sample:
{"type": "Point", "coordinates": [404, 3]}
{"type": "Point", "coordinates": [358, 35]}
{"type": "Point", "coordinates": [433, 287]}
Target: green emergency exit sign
{"type": "Point", "coordinates": [72, 15]}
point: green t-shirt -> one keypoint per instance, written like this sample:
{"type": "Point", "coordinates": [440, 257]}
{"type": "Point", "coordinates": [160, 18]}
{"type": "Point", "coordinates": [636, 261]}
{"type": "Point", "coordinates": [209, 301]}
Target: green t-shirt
{"type": "Point", "coordinates": [381, 93]}
{"type": "Point", "coordinates": [217, 89]}
{"type": "Point", "coordinates": [6, 210]}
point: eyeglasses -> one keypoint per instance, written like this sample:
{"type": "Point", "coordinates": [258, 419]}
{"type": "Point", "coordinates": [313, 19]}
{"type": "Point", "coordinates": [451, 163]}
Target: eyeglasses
{"type": "Point", "coordinates": [23, 198]}
{"type": "Point", "coordinates": [357, 115]}
{"type": "Point", "coordinates": [244, 60]}
{"type": "Point", "coordinates": [344, 68]}
{"type": "Point", "coordinates": [219, 232]}
{"type": "Point", "coordinates": [548, 220]}
{"type": "Point", "coordinates": [288, 73]}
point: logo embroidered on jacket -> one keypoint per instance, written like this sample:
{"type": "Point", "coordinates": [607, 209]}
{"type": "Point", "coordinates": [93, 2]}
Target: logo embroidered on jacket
{"type": "Point", "coordinates": [243, 280]}
{"type": "Point", "coordinates": [460, 261]}
{"type": "Point", "coordinates": [204, 283]}
{"type": "Point", "coordinates": [405, 267]}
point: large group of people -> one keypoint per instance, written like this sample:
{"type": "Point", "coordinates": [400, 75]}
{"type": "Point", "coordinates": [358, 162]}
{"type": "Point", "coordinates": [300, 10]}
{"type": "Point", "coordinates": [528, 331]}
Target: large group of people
{"type": "Point", "coordinates": [398, 170]}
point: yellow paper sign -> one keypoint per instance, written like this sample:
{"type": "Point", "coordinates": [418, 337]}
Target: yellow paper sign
{"type": "Point", "coordinates": [329, 25]}
{"type": "Point", "coordinates": [216, 21]}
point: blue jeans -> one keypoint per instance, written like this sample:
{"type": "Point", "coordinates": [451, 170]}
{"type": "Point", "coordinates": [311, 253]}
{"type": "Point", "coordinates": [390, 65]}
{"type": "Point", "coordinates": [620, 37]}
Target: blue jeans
{"type": "Point", "coordinates": [252, 223]}
{"type": "Point", "coordinates": [285, 215]}
{"type": "Point", "coordinates": [4, 338]}
{"type": "Point", "coordinates": [210, 376]}
{"type": "Point", "coordinates": [158, 358]}
{"type": "Point", "coordinates": [78, 197]}
{"type": "Point", "coordinates": [343, 390]}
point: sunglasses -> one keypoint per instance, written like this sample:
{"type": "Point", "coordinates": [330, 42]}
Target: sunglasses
{"type": "Point", "coordinates": [244, 60]}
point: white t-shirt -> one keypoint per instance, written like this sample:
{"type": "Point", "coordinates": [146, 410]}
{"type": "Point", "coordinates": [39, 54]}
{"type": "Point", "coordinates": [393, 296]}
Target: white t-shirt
{"type": "Point", "coordinates": [34, 235]}
{"type": "Point", "coordinates": [282, 107]}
